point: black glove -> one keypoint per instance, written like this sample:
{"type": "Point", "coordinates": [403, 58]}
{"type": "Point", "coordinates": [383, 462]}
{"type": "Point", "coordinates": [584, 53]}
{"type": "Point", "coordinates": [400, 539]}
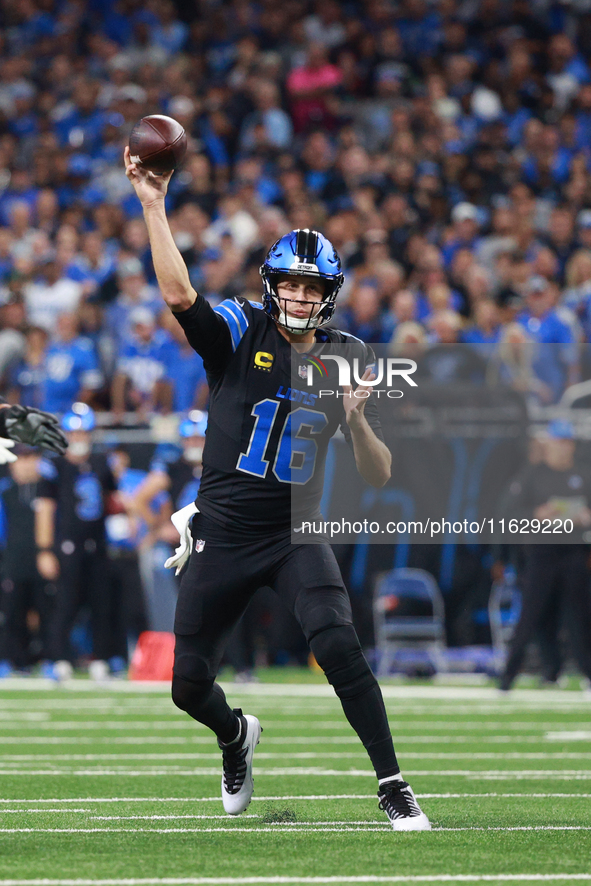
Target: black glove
{"type": "Point", "coordinates": [27, 425]}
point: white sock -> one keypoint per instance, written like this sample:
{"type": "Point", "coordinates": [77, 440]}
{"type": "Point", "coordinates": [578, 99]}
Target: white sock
{"type": "Point", "coordinates": [383, 781]}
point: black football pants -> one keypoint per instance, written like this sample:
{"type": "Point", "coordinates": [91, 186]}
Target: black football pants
{"type": "Point", "coordinates": [215, 590]}
{"type": "Point", "coordinates": [556, 577]}
{"type": "Point", "coordinates": [83, 580]}
{"type": "Point", "coordinates": [16, 599]}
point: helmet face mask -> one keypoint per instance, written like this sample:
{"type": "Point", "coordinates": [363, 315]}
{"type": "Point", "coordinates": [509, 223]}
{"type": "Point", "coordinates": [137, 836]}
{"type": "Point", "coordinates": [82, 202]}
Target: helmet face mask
{"type": "Point", "coordinates": [301, 253]}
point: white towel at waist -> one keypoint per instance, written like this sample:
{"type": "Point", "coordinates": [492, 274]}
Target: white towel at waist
{"type": "Point", "coordinates": [182, 523]}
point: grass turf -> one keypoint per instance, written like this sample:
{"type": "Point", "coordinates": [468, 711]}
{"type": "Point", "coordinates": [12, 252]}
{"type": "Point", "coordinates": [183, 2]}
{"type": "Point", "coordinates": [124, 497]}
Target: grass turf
{"type": "Point", "coordinates": [115, 783]}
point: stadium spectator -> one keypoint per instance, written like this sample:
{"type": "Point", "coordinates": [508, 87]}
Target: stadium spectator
{"type": "Point", "coordinates": [26, 379]}
{"type": "Point", "coordinates": [12, 334]}
{"type": "Point", "coordinates": [50, 293]}
{"type": "Point", "coordinates": [139, 380]}
{"type": "Point", "coordinates": [131, 291]}
{"type": "Point", "coordinates": [183, 368]}
{"type": "Point", "coordinates": [71, 371]}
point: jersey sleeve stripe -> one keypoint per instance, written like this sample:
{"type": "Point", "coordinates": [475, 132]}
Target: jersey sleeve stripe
{"type": "Point", "coordinates": [232, 322]}
{"type": "Point", "coordinates": [238, 313]}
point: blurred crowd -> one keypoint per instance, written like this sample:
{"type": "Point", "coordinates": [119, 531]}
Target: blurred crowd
{"type": "Point", "coordinates": [443, 147]}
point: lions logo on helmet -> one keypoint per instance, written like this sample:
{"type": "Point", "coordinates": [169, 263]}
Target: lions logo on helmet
{"type": "Point", "coordinates": [302, 253]}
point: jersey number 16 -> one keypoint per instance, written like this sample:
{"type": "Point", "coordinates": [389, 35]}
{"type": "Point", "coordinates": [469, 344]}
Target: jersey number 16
{"type": "Point", "coordinates": [295, 458]}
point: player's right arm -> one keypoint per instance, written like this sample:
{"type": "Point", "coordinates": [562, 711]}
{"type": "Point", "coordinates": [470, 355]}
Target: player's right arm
{"type": "Point", "coordinates": [207, 332]}
{"type": "Point", "coordinates": [171, 270]}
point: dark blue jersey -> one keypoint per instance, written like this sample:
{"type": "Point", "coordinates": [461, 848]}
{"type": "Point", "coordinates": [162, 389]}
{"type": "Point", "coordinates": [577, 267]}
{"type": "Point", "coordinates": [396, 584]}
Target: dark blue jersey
{"type": "Point", "coordinates": [268, 430]}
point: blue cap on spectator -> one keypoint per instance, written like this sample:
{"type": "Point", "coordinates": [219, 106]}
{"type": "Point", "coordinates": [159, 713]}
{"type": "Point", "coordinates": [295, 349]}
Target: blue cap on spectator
{"type": "Point", "coordinates": [455, 147]}
{"type": "Point", "coordinates": [114, 119]}
{"type": "Point", "coordinates": [344, 203]}
{"type": "Point", "coordinates": [212, 253]}
{"type": "Point", "coordinates": [427, 167]}
{"type": "Point", "coordinates": [560, 429]}
{"type": "Point", "coordinates": [80, 165]}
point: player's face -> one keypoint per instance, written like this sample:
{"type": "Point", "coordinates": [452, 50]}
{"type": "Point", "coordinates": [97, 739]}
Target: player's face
{"type": "Point", "coordinates": [300, 293]}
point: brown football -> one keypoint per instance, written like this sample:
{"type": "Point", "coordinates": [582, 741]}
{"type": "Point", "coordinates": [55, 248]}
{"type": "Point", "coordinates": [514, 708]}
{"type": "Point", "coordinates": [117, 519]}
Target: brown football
{"type": "Point", "coordinates": [158, 143]}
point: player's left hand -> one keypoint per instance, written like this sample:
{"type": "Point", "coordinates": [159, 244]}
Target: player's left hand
{"type": "Point", "coordinates": [354, 401]}
{"type": "Point", "coordinates": [36, 428]}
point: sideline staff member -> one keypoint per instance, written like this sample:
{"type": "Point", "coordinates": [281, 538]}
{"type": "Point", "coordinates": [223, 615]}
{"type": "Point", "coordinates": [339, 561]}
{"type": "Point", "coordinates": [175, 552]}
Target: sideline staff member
{"type": "Point", "coordinates": [556, 576]}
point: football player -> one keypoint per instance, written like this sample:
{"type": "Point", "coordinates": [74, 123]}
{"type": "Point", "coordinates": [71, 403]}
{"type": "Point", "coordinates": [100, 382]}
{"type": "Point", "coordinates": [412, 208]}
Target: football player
{"type": "Point", "coordinates": [74, 495]}
{"type": "Point", "coordinates": [252, 459]}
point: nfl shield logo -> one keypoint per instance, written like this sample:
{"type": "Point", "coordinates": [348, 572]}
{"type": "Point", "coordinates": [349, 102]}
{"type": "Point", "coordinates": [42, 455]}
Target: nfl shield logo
{"type": "Point", "coordinates": [199, 545]}
{"type": "Point", "coordinates": [303, 371]}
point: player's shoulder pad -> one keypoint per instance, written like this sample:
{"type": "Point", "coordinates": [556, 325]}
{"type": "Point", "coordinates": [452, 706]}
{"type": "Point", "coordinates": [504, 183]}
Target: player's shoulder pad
{"type": "Point", "coordinates": [47, 469]}
{"type": "Point", "coordinates": [237, 312]}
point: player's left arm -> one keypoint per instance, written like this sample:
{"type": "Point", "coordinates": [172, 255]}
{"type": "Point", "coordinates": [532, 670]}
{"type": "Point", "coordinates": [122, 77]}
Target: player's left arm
{"type": "Point", "coordinates": [372, 456]}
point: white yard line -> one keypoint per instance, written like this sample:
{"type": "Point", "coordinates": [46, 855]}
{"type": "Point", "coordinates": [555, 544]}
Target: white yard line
{"type": "Point", "coordinates": [274, 829]}
{"type": "Point", "coordinates": [278, 797]}
{"type": "Point", "coordinates": [185, 740]}
{"type": "Point", "coordinates": [288, 740]}
{"type": "Point", "coordinates": [487, 774]}
{"type": "Point", "coordinates": [304, 755]}
{"type": "Point", "coordinates": [252, 881]}
{"type": "Point", "coordinates": [312, 881]}
{"type": "Point", "coordinates": [411, 693]}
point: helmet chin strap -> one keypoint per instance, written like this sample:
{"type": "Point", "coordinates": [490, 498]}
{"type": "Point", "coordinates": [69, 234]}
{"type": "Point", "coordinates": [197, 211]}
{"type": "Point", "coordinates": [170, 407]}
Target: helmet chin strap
{"type": "Point", "coordinates": [297, 325]}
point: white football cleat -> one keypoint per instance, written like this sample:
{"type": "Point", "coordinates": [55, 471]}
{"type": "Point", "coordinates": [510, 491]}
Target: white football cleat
{"type": "Point", "coordinates": [63, 671]}
{"type": "Point", "coordinates": [237, 781]}
{"type": "Point", "coordinates": [399, 803]}
{"type": "Point", "coordinates": [98, 671]}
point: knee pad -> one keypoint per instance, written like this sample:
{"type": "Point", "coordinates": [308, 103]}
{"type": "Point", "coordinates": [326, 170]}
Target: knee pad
{"type": "Point", "coordinates": [189, 695]}
{"type": "Point", "coordinates": [339, 654]}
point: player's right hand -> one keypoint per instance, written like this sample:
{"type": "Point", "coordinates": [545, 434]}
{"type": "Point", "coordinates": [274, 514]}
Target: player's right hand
{"type": "Point", "coordinates": [149, 187]}
{"type": "Point", "coordinates": [48, 565]}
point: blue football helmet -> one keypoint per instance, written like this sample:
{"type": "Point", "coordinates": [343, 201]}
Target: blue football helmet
{"type": "Point", "coordinates": [80, 418]}
{"type": "Point", "coordinates": [302, 253]}
{"type": "Point", "coordinates": [194, 425]}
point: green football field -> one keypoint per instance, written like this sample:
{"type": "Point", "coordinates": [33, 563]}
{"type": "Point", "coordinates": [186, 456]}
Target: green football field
{"type": "Point", "coordinates": [112, 785]}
